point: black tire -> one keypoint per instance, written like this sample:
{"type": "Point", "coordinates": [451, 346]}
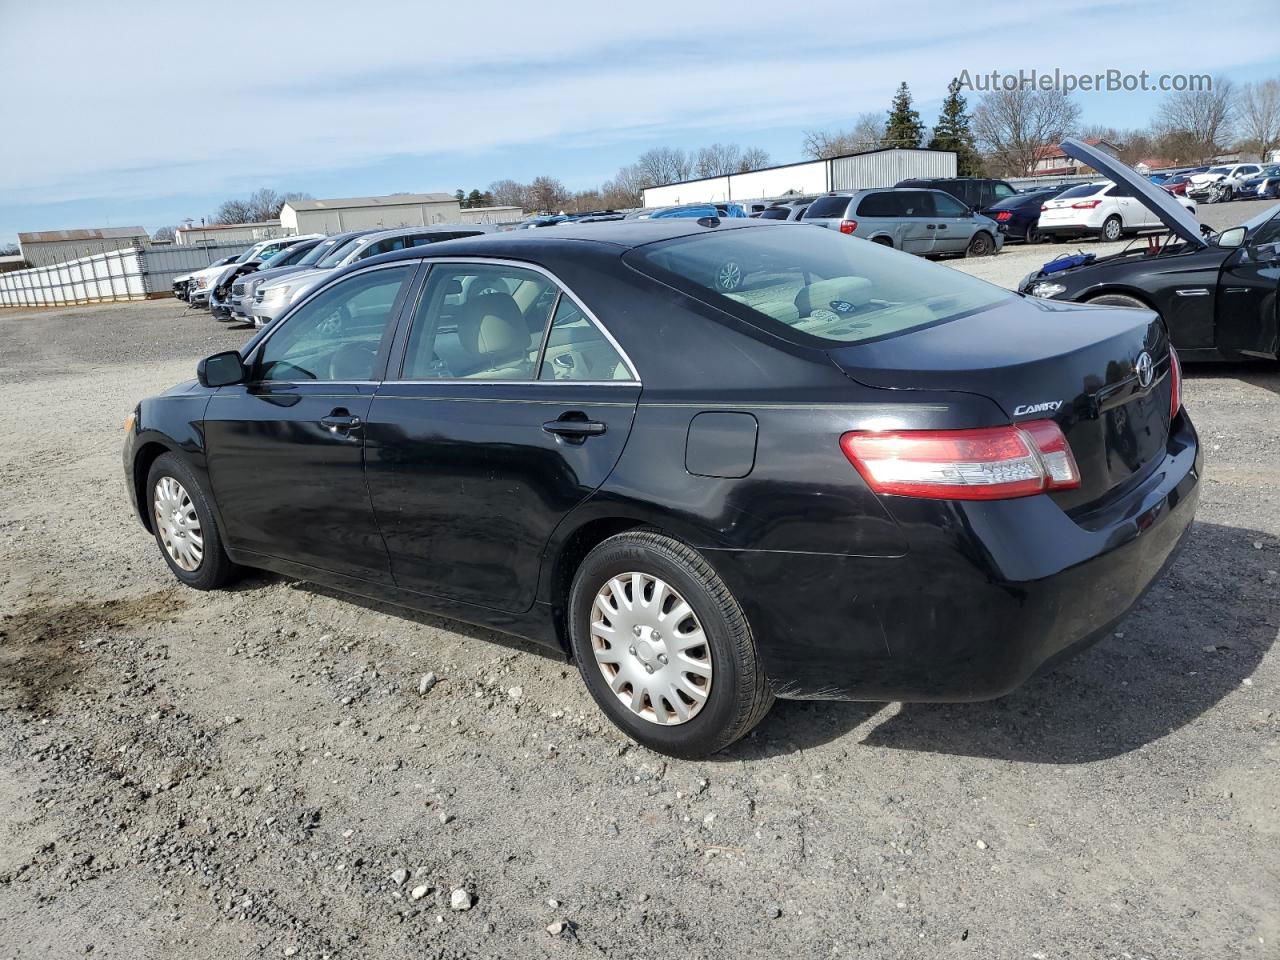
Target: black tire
{"type": "Point", "coordinates": [215, 568]}
{"type": "Point", "coordinates": [1118, 300]}
{"type": "Point", "coordinates": [739, 696]}
{"type": "Point", "coordinates": [1034, 235]}
{"type": "Point", "coordinates": [1112, 229]}
{"type": "Point", "coordinates": [980, 245]}
{"type": "Point", "coordinates": [883, 241]}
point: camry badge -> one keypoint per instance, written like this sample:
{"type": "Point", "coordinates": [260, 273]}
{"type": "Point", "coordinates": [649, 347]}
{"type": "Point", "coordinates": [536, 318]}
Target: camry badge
{"type": "Point", "coordinates": [1145, 369]}
{"type": "Point", "coordinates": [1048, 406]}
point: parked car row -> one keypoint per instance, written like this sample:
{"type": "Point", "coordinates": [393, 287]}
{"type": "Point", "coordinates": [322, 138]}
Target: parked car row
{"type": "Point", "coordinates": [262, 282]}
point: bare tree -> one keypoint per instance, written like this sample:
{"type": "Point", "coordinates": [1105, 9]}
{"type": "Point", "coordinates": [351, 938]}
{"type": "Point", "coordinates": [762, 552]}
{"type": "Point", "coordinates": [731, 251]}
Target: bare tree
{"type": "Point", "coordinates": [508, 193]}
{"type": "Point", "coordinates": [264, 204]}
{"type": "Point", "coordinates": [624, 190]}
{"type": "Point", "coordinates": [718, 160]}
{"type": "Point", "coordinates": [164, 235]}
{"type": "Point", "coordinates": [1013, 125]}
{"type": "Point", "coordinates": [867, 133]}
{"type": "Point", "coordinates": [547, 194]}
{"type": "Point", "coordinates": [233, 211]}
{"type": "Point", "coordinates": [1202, 117]}
{"type": "Point", "coordinates": [664, 165]}
{"type": "Point", "coordinates": [1259, 114]}
{"type": "Point", "coordinates": [753, 158]}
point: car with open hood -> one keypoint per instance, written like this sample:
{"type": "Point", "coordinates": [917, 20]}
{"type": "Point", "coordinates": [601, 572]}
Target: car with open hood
{"type": "Point", "coordinates": [1217, 293]}
{"type": "Point", "coordinates": [858, 475]}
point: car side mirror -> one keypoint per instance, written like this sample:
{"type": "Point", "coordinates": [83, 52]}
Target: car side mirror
{"type": "Point", "coordinates": [221, 370]}
{"type": "Point", "coordinates": [1232, 238]}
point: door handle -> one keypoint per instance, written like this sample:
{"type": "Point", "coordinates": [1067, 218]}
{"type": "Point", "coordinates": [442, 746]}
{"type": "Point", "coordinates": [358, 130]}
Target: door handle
{"type": "Point", "coordinates": [340, 421]}
{"type": "Point", "coordinates": [574, 428]}
{"type": "Point", "coordinates": [931, 226]}
{"type": "Point", "coordinates": [942, 226]}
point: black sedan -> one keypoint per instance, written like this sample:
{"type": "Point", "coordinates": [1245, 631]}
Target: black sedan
{"type": "Point", "coordinates": [1020, 214]}
{"type": "Point", "coordinates": [1217, 295]}
{"type": "Point", "coordinates": [859, 475]}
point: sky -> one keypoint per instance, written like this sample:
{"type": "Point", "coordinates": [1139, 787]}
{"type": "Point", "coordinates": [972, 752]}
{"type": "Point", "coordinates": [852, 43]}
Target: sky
{"type": "Point", "coordinates": [150, 113]}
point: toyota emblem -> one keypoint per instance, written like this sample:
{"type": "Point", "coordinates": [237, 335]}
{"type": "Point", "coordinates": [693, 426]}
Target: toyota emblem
{"type": "Point", "coordinates": [1145, 369]}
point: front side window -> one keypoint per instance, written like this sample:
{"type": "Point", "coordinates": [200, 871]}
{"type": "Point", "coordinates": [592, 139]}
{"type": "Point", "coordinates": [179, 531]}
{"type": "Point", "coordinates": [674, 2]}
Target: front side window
{"type": "Point", "coordinates": [816, 283]}
{"type": "Point", "coordinates": [948, 206]}
{"type": "Point", "coordinates": [339, 253]}
{"type": "Point", "coordinates": [382, 246]}
{"type": "Point", "coordinates": [336, 334]}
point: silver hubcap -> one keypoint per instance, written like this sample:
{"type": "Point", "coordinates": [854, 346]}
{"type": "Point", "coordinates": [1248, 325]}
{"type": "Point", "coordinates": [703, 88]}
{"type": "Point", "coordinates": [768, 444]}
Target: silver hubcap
{"type": "Point", "coordinates": [1113, 230]}
{"type": "Point", "coordinates": [650, 648]}
{"type": "Point", "coordinates": [730, 276]}
{"type": "Point", "coordinates": [177, 523]}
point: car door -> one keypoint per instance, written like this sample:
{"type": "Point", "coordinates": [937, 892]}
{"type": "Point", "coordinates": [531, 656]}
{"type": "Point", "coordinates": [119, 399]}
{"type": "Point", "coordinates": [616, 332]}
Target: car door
{"type": "Point", "coordinates": [285, 448]}
{"type": "Point", "coordinates": [1133, 214]}
{"type": "Point", "coordinates": [955, 224]}
{"type": "Point", "coordinates": [1246, 318]}
{"type": "Point", "coordinates": [508, 406]}
{"type": "Point", "coordinates": [917, 227]}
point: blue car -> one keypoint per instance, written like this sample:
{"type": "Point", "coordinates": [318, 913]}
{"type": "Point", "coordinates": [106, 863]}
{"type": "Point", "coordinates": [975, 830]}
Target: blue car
{"type": "Point", "coordinates": [694, 211]}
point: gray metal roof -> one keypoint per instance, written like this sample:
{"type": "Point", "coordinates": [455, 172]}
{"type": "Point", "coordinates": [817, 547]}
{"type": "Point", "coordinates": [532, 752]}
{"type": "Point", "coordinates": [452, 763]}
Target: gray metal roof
{"type": "Point", "coordinates": [98, 233]}
{"type": "Point", "coordinates": [395, 200]}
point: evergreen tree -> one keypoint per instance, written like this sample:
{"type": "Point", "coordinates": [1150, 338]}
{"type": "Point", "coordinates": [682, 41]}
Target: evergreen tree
{"type": "Point", "coordinates": [460, 197]}
{"type": "Point", "coordinates": [475, 199]}
{"type": "Point", "coordinates": [952, 132]}
{"type": "Point", "coordinates": [904, 128]}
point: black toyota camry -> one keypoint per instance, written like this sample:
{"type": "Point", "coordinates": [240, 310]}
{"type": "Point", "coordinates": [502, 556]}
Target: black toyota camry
{"type": "Point", "coordinates": [858, 476]}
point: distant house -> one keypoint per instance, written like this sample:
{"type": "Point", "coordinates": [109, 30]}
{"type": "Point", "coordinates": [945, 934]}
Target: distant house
{"type": "Point", "coordinates": [215, 233]}
{"type": "Point", "coordinates": [46, 247]}
{"type": "Point", "coordinates": [369, 213]}
{"type": "Point", "coordinates": [12, 263]}
{"type": "Point", "coordinates": [1052, 162]}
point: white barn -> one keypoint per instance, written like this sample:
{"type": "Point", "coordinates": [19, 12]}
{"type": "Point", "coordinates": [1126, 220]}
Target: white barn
{"type": "Point", "coordinates": [856, 171]}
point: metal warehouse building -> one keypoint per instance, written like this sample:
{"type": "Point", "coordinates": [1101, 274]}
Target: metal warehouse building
{"type": "Point", "coordinates": [48, 247]}
{"type": "Point", "coordinates": [855, 171]}
{"type": "Point", "coordinates": [220, 233]}
{"type": "Point", "coordinates": [368, 213]}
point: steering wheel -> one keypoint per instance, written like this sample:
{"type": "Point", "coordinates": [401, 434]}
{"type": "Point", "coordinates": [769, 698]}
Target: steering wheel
{"type": "Point", "coordinates": [335, 321]}
{"type": "Point", "coordinates": [352, 361]}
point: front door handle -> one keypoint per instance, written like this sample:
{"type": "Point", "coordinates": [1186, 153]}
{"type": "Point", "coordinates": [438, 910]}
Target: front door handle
{"type": "Point", "coordinates": [340, 421]}
{"type": "Point", "coordinates": [931, 226]}
{"type": "Point", "coordinates": [942, 226]}
{"type": "Point", "coordinates": [574, 429]}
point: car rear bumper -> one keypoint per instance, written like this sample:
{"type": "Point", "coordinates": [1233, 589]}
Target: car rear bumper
{"type": "Point", "coordinates": [987, 594]}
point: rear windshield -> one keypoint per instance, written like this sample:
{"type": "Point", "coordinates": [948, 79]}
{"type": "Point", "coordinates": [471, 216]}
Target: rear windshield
{"type": "Point", "coordinates": [1084, 190]}
{"type": "Point", "coordinates": [821, 283]}
{"type": "Point", "coordinates": [827, 207]}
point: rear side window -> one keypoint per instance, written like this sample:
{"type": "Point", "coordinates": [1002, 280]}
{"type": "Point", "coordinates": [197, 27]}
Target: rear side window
{"type": "Point", "coordinates": [946, 205]}
{"type": "Point", "coordinates": [774, 213]}
{"type": "Point", "coordinates": [1002, 190]}
{"type": "Point", "coordinates": [886, 204]}
{"type": "Point", "coordinates": [827, 208]}
{"type": "Point", "coordinates": [1083, 190]}
{"type": "Point", "coordinates": [816, 283]}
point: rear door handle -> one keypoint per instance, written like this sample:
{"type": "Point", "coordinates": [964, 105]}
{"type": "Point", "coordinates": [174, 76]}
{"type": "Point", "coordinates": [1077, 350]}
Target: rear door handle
{"type": "Point", "coordinates": [574, 430]}
{"type": "Point", "coordinates": [931, 226]}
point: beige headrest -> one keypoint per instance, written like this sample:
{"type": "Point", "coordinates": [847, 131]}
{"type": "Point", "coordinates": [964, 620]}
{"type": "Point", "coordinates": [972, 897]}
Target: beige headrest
{"type": "Point", "coordinates": [493, 327]}
{"type": "Point", "coordinates": [821, 294]}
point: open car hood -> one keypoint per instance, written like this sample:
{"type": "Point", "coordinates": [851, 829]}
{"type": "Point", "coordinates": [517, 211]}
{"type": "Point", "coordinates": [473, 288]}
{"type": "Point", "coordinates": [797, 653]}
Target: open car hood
{"type": "Point", "coordinates": [1160, 202]}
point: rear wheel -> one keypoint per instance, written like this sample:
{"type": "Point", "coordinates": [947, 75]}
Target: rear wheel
{"type": "Point", "coordinates": [664, 647]}
{"type": "Point", "coordinates": [1112, 228]}
{"type": "Point", "coordinates": [980, 245]}
{"type": "Point", "coordinates": [883, 241]}
{"type": "Point", "coordinates": [1118, 300]}
{"type": "Point", "coordinates": [184, 526]}
{"type": "Point", "coordinates": [729, 276]}
{"type": "Point", "coordinates": [1034, 235]}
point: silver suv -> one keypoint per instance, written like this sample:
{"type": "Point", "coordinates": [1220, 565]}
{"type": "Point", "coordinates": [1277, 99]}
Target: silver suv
{"type": "Point", "coordinates": [924, 222]}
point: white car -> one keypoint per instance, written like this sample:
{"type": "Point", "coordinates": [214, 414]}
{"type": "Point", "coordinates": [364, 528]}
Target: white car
{"type": "Point", "coordinates": [1221, 183]}
{"type": "Point", "coordinates": [200, 282]}
{"type": "Point", "coordinates": [1103, 209]}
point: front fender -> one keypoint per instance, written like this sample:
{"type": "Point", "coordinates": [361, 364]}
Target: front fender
{"type": "Point", "coordinates": [170, 423]}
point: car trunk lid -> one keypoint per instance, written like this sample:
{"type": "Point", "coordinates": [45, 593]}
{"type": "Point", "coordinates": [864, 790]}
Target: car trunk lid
{"type": "Point", "coordinates": [1080, 366]}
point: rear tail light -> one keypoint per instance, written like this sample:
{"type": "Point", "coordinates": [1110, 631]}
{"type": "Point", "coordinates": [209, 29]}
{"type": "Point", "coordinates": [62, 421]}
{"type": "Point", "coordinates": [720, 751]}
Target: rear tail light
{"type": "Point", "coordinates": [848, 226]}
{"type": "Point", "coordinates": [1004, 215]}
{"type": "Point", "coordinates": [1175, 374]}
{"type": "Point", "coordinates": [1086, 204]}
{"type": "Point", "coordinates": [991, 463]}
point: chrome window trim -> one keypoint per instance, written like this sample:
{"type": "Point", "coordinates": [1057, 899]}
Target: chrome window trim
{"type": "Point", "coordinates": [565, 290]}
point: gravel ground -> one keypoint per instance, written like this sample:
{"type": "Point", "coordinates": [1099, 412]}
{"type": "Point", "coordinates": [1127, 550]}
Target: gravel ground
{"type": "Point", "coordinates": [254, 773]}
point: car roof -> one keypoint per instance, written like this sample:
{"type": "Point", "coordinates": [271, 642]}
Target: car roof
{"type": "Point", "coordinates": [617, 234]}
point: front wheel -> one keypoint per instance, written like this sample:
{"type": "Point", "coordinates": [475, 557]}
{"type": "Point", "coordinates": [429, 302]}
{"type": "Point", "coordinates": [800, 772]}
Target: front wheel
{"type": "Point", "coordinates": [184, 526]}
{"type": "Point", "coordinates": [981, 245]}
{"type": "Point", "coordinates": [664, 647]}
{"type": "Point", "coordinates": [1118, 300]}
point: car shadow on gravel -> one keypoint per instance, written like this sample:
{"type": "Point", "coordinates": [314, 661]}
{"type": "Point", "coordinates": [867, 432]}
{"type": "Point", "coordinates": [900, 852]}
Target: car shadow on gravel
{"type": "Point", "coordinates": [1192, 640]}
